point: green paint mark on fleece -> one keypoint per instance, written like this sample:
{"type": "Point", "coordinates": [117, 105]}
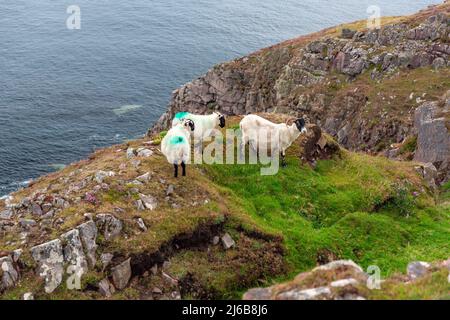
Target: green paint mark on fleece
{"type": "Point", "coordinates": [181, 115]}
{"type": "Point", "coordinates": [176, 140]}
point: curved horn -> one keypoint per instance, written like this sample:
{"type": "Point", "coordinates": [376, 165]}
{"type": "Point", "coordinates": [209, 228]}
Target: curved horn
{"type": "Point", "coordinates": [289, 120]}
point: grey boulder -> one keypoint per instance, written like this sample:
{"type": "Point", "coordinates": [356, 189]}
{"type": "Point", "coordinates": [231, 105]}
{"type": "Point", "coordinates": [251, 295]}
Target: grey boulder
{"type": "Point", "coordinates": [110, 225]}
{"type": "Point", "coordinates": [49, 258]}
{"type": "Point", "coordinates": [6, 214]}
{"type": "Point", "coordinates": [88, 236]}
{"type": "Point", "coordinates": [417, 269]}
{"type": "Point", "coordinates": [149, 202]}
{"type": "Point", "coordinates": [10, 276]}
{"type": "Point", "coordinates": [227, 241]}
{"type": "Point", "coordinates": [121, 274]}
{"type": "Point", "coordinates": [106, 288]}
{"type": "Point", "coordinates": [73, 251]}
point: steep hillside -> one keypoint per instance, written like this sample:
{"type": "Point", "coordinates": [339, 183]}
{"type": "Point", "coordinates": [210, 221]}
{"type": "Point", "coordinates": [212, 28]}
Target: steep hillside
{"type": "Point", "coordinates": [138, 233]}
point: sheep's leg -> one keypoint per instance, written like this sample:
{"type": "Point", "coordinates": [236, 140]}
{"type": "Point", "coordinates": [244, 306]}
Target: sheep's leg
{"type": "Point", "coordinates": [198, 147]}
{"type": "Point", "coordinates": [283, 159]}
{"type": "Point", "coordinates": [243, 143]}
{"type": "Point", "coordinates": [175, 166]}
{"type": "Point", "coordinates": [252, 144]}
{"type": "Point", "coordinates": [258, 152]}
{"type": "Point", "coordinates": [183, 167]}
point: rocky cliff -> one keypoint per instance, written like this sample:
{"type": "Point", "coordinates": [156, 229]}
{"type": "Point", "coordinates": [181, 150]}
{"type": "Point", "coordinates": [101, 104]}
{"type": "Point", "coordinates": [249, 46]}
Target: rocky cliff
{"type": "Point", "coordinates": [119, 226]}
{"type": "Point", "coordinates": [362, 86]}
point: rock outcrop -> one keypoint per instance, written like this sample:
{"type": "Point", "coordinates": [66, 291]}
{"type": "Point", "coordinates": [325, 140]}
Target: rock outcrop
{"type": "Point", "coordinates": [73, 251]}
{"type": "Point", "coordinates": [9, 275]}
{"type": "Point", "coordinates": [335, 280]}
{"type": "Point", "coordinates": [432, 123]}
{"type": "Point", "coordinates": [109, 224]}
{"type": "Point", "coordinates": [50, 260]}
{"type": "Point", "coordinates": [88, 235]}
{"type": "Point", "coordinates": [121, 274]}
{"type": "Point", "coordinates": [316, 145]}
{"type": "Point", "coordinates": [341, 280]}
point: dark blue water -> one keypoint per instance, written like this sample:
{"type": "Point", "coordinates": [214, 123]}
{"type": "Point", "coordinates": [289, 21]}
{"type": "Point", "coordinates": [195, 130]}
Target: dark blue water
{"type": "Point", "coordinates": [66, 92]}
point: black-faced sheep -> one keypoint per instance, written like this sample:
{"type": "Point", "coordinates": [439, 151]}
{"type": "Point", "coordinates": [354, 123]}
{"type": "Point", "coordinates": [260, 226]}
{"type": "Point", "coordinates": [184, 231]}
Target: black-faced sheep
{"type": "Point", "coordinates": [176, 145]}
{"type": "Point", "coordinates": [204, 124]}
{"type": "Point", "coordinates": [253, 127]}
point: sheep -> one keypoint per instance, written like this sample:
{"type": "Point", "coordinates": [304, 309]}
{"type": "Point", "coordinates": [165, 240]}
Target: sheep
{"type": "Point", "coordinates": [176, 145]}
{"type": "Point", "coordinates": [203, 124]}
{"type": "Point", "coordinates": [252, 125]}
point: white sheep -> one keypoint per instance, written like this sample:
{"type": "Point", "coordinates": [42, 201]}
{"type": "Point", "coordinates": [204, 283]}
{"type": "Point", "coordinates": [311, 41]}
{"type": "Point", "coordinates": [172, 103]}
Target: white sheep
{"type": "Point", "coordinates": [204, 124]}
{"type": "Point", "coordinates": [176, 145]}
{"type": "Point", "coordinates": [253, 126]}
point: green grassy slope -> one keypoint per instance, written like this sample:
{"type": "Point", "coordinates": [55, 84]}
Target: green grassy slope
{"type": "Point", "coordinates": [354, 207]}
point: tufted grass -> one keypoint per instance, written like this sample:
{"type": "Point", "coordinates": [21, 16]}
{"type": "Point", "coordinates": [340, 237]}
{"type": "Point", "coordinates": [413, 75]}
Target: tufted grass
{"type": "Point", "coordinates": [356, 207]}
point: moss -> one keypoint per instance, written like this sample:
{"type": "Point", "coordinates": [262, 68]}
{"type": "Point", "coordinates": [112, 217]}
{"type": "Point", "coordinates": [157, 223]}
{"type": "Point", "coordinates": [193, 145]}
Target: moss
{"type": "Point", "coordinates": [400, 201]}
{"type": "Point", "coordinates": [211, 105]}
{"type": "Point", "coordinates": [127, 294]}
{"type": "Point", "coordinates": [409, 145]}
{"type": "Point", "coordinates": [444, 194]}
{"type": "Point", "coordinates": [157, 142]}
{"type": "Point", "coordinates": [90, 280]}
{"type": "Point", "coordinates": [114, 195]}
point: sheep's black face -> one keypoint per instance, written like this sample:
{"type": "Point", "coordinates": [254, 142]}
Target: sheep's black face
{"type": "Point", "coordinates": [300, 123]}
{"type": "Point", "coordinates": [191, 125]}
{"type": "Point", "coordinates": [221, 120]}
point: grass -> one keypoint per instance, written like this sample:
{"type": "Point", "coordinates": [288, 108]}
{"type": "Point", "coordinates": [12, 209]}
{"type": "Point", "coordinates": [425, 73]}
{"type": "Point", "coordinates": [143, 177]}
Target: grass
{"type": "Point", "coordinates": [358, 207]}
{"type": "Point", "coordinates": [445, 193]}
{"type": "Point", "coordinates": [409, 145]}
{"type": "Point", "coordinates": [361, 25]}
{"type": "Point", "coordinates": [394, 93]}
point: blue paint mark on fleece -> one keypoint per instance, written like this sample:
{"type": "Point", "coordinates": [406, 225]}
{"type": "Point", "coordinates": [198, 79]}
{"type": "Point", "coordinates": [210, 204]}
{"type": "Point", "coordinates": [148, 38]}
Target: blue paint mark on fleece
{"type": "Point", "coordinates": [181, 115]}
{"type": "Point", "coordinates": [176, 140]}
